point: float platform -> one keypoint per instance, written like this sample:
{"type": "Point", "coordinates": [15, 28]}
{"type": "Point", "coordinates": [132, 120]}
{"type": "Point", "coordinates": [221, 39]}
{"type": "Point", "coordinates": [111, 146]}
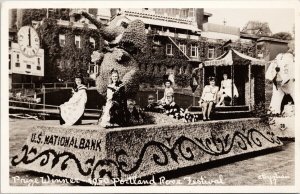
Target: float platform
{"type": "Point", "coordinates": [97, 156]}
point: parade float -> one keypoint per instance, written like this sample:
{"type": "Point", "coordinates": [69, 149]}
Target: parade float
{"type": "Point", "coordinates": [99, 156]}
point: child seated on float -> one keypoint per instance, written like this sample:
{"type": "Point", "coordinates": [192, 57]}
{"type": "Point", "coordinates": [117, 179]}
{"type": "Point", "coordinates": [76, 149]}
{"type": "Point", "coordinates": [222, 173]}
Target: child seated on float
{"type": "Point", "coordinates": [168, 89]}
{"type": "Point", "coordinates": [152, 105]}
{"type": "Point", "coordinates": [208, 98]}
{"type": "Point", "coordinates": [173, 110]}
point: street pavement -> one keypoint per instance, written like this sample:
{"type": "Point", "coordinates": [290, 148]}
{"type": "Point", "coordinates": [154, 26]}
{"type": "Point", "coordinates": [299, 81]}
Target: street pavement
{"type": "Point", "coordinates": [271, 167]}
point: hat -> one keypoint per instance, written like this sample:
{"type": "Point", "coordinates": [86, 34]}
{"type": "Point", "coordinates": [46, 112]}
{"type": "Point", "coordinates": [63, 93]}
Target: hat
{"type": "Point", "coordinates": [212, 78]}
{"type": "Point", "coordinates": [78, 75]}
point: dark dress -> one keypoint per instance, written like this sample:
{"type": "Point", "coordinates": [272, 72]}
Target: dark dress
{"type": "Point", "coordinates": [115, 112]}
{"type": "Point", "coordinates": [153, 107]}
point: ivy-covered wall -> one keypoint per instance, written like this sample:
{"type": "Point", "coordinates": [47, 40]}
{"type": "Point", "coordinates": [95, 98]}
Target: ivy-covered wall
{"type": "Point", "coordinates": [63, 62]}
{"type": "Point", "coordinates": [155, 62]}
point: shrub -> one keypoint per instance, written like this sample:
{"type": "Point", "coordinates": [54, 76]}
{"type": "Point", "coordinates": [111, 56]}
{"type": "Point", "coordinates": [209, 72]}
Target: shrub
{"type": "Point", "coordinates": [182, 80]}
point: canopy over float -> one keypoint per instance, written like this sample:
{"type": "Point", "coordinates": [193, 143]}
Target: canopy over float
{"type": "Point", "coordinates": [246, 72]}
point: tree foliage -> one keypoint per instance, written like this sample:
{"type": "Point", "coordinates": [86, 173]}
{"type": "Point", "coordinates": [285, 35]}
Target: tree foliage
{"type": "Point", "coordinates": [283, 36]}
{"type": "Point", "coordinates": [257, 28]}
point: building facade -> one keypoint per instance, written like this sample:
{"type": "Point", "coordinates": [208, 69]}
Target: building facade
{"type": "Point", "coordinates": [178, 40]}
{"type": "Point", "coordinates": [176, 45]}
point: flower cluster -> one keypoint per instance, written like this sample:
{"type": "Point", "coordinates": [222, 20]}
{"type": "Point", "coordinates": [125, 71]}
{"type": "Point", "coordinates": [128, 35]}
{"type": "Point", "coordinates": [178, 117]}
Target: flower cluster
{"type": "Point", "coordinates": [181, 114]}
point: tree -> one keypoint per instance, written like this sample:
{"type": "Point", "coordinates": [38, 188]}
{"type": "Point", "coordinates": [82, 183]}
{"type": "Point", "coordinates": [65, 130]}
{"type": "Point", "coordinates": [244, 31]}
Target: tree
{"type": "Point", "coordinates": [283, 36]}
{"type": "Point", "coordinates": [257, 28]}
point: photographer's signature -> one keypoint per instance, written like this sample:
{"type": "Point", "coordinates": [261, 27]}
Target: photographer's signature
{"type": "Point", "coordinates": [272, 178]}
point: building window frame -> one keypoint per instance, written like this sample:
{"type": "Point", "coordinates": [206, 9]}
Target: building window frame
{"type": "Point", "coordinates": [169, 49]}
{"type": "Point", "coordinates": [9, 61]}
{"type": "Point", "coordinates": [28, 66]}
{"type": "Point", "coordinates": [182, 47]}
{"type": "Point", "coordinates": [194, 51]}
{"type": "Point", "coordinates": [62, 40]}
{"type": "Point", "coordinates": [92, 40]}
{"type": "Point", "coordinates": [211, 53]}
{"type": "Point", "coordinates": [77, 41]}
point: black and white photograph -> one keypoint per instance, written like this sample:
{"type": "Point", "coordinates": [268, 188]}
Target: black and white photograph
{"type": "Point", "coordinates": [200, 95]}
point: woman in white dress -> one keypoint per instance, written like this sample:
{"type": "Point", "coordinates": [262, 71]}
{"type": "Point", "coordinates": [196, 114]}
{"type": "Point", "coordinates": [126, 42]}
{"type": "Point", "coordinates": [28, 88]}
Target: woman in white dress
{"type": "Point", "coordinates": [208, 98]}
{"type": "Point", "coordinates": [226, 90]}
{"type": "Point", "coordinates": [72, 111]}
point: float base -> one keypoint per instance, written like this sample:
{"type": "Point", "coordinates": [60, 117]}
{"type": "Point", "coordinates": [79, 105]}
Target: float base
{"type": "Point", "coordinates": [97, 156]}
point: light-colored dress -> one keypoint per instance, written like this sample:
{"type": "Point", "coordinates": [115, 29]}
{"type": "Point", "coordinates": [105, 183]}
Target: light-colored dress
{"type": "Point", "coordinates": [72, 110]}
{"type": "Point", "coordinates": [209, 93]}
{"type": "Point", "coordinates": [167, 91]}
{"type": "Point", "coordinates": [226, 88]}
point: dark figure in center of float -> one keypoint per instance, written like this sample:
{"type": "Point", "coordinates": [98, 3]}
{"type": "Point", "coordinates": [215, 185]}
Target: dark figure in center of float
{"type": "Point", "coordinates": [115, 111]}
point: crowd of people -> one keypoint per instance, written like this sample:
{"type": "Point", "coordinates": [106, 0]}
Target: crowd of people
{"type": "Point", "coordinates": [116, 112]}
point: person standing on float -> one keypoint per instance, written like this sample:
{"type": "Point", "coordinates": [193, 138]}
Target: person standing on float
{"type": "Point", "coordinates": [115, 111]}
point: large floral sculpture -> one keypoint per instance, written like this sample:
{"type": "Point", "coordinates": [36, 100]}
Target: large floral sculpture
{"type": "Point", "coordinates": [281, 73]}
{"type": "Point", "coordinates": [123, 41]}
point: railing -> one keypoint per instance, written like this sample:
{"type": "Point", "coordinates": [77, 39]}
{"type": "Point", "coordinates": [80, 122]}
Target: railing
{"type": "Point", "coordinates": [38, 106]}
{"type": "Point", "coordinates": [57, 85]}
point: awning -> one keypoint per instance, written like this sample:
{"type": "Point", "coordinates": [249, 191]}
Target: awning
{"type": "Point", "coordinates": [227, 59]}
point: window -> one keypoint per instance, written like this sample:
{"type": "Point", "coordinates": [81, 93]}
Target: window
{"type": "Point", "coordinates": [91, 68]}
{"type": "Point", "coordinates": [77, 41]}
{"type": "Point", "coordinates": [194, 51]}
{"type": "Point", "coordinates": [28, 66]}
{"type": "Point", "coordinates": [39, 63]}
{"type": "Point", "coordinates": [192, 12]}
{"type": "Point", "coordinates": [62, 40]}
{"type": "Point", "coordinates": [9, 61]}
{"type": "Point", "coordinates": [96, 69]}
{"type": "Point", "coordinates": [169, 49]}
{"type": "Point", "coordinates": [92, 40]}
{"type": "Point", "coordinates": [18, 61]}
{"type": "Point", "coordinates": [211, 53]}
{"type": "Point", "coordinates": [182, 47]}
